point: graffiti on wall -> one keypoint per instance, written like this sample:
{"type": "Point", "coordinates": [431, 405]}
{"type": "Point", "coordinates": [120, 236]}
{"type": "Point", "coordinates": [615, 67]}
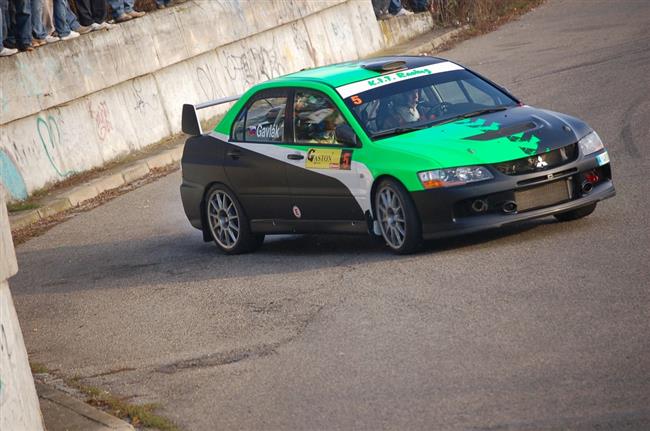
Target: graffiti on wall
{"type": "Point", "coordinates": [11, 178]}
{"type": "Point", "coordinates": [49, 134]}
{"type": "Point", "coordinates": [204, 76]}
{"type": "Point", "coordinates": [253, 65]}
{"type": "Point", "coordinates": [102, 119]}
{"type": "Point", "coordinates": [140, 104]}
{"type": "Point", "coordinates": [4, 104]}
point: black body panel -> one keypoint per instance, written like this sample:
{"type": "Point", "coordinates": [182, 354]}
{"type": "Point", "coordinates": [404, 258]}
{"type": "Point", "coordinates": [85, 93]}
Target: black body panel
{"type": "Point", "coordinates": [320, 197]}
{"type": "Point", "coordinates": [259, 181]}
{"type": "Point", "coordinates": [202, 165]}
{"type": "Point", "coordinates": [261, 185]}
{"type": "Point", "coordinates": [554, 130]}
{"type": "Point", "coordinates": [448, 211]}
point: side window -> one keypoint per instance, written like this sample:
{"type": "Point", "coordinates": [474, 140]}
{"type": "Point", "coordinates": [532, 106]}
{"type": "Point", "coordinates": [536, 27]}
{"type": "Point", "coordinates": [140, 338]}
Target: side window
{"type": "Point", "coordinates": [451, 92]}
{"type": "Point", "coordinates": [315, 118]}
{"type": "Point", "coordinates": [261, 121]}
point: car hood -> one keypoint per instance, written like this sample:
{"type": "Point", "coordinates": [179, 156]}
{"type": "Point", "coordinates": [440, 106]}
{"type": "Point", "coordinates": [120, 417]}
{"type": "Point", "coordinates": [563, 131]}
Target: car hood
{"type": "Point", "coordinates": [517, 132]}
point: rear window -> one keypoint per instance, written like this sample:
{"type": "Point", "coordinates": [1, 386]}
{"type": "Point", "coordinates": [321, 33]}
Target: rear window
{"type": "Point", "coordinates": [262, 120]}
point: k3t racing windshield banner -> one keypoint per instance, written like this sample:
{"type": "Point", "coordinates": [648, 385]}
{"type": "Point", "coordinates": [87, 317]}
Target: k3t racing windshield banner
{"type": "Point", "coordinates": [360, 86]}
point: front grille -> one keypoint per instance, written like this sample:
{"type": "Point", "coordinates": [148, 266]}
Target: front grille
{"type": "Point", "coordinates": [544, 195]}
{"type": "Point", "coordinates": [539, 162]}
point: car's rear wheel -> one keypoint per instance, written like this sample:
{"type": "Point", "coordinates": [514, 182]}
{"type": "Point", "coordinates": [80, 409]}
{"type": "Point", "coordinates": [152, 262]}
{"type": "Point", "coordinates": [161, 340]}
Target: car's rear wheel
{"type": "Point", "coordinates": [227, 222]}
{"type": "Point", "coordinates": [577, 213]}
{"type": "Point", "coordinates": [398, 219]}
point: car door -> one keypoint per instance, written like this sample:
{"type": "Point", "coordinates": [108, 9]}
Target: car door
{"type": "Point", "coordinates": [324, 183]}
{"type": "Point", "coordinates": [251, 161]}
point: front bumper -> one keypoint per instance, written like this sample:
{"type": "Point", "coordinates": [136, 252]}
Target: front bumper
{"type": "Point", "coordinates": [447, 211]}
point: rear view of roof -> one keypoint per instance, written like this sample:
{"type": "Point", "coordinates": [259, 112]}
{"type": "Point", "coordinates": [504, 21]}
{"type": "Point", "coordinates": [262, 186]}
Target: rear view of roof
{"type": "Point", "coordinates": [353, 71]}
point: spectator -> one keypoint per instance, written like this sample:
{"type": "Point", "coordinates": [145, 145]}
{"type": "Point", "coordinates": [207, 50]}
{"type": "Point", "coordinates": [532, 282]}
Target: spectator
{"type": "Point", "coordinates": [92, 14]}
{"type": "Point", "coordinates": [395, 8]}
{"type": "Point", "coordinates": [38, 30]}
{"type": "Point", "coordinates": [381, 9]}
{"type": "Point", "coordinates": [61, 23]}
{"type": "Point", "coordinates": [162, 4]}
{"type": "Point", "coordinates": [420, 5]}
{"type": "Point", "coordinates": [19, 25]}
{"type": "Point", "coordinates": [48, 16]}
{"type": "Point", "coordinates": [123, 10]}
{"type": "Point", "coordinates": [73, 22]}
{"type": "Point", "coordinates": [4, 13]}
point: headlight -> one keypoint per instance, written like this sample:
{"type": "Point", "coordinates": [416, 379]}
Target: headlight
{"type": "Point", "coordinates": [453, 176]}
{"type": "Point", "coordinates": [590, 144]}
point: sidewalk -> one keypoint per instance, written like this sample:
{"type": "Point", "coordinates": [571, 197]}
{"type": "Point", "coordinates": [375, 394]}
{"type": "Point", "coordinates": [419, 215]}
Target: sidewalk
{"type": "Point", "coordinates": [62, 199]}
{"type": "Point", "coordinates": [425, 44]}
{"type": "Point", "coordinates": [61, 412]}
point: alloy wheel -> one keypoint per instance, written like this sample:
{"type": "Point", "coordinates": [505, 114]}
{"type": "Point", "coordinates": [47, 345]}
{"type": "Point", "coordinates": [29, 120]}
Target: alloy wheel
{"type": "Point", "coordinates": [391, 217]}
{"type": "Point", "coordinates": [223, 218]}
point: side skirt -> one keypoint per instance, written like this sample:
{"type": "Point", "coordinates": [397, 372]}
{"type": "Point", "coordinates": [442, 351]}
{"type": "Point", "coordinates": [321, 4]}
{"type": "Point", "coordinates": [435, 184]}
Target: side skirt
{"type": "Point", "coordinates": [309, 226]}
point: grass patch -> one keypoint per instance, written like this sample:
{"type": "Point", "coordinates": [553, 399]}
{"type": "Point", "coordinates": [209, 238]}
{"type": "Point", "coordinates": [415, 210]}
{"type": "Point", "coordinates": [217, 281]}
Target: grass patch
{"type": "Point", "coordinates": [482, 15]}
{"type": "Point", "coordinates": [140, 415]}
{"type": "Point", "coordinates": [38, 368]}
{"type": "Point", "coordinates": [22, 206]}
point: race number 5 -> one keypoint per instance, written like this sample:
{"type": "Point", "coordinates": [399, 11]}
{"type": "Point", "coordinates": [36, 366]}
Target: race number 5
{"type": "Point", "coordinates": [356, 100]}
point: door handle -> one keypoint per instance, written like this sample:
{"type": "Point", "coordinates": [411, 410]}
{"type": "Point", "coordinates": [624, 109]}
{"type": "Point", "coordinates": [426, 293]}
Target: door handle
{"type": "Point", "coordinates": [295, 157]}
{"type": "Point", "coordinates": [234, 154]}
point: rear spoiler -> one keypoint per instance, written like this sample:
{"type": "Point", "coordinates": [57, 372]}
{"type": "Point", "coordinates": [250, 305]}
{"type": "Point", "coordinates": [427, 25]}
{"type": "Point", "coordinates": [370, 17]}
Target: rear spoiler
{"type": "Point", "coordinates": [190, 121]}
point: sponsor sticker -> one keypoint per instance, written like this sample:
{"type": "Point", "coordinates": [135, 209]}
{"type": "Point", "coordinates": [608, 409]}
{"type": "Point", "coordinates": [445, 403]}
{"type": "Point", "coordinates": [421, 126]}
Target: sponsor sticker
{"type": "Point", "coordinates": [602, 159]}
{"type": "Point", "coordinates": [268, 131]}
{"type": "Point", "coordinates": [358, 87]}
{"type": "Point", "coordinates": [326, 158]}
{"type": "Point", "coordinates": [345, 161]}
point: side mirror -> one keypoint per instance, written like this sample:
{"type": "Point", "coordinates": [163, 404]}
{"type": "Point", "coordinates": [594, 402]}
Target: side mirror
{"type": "Point", "coordinates": [346, 136]}
{"type": "Point", "coordinates": [190, 121]}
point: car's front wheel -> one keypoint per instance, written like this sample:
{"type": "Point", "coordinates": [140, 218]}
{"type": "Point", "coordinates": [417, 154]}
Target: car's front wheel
{"type": "Point", "coordinates": [227, 223]}
{"type": "Point", "coordinates": [397, 217]}
{"type": "Point", "coordinates": [577, 213]}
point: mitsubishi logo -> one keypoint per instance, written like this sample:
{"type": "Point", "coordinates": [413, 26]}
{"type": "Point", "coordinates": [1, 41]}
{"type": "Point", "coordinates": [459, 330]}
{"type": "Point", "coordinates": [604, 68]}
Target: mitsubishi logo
{"type": "Point", "coordinates": [539, 163]}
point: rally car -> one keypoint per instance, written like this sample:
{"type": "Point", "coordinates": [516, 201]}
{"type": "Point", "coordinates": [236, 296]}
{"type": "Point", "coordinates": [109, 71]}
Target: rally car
{"type": "Point", "coordinates": [404, 148]}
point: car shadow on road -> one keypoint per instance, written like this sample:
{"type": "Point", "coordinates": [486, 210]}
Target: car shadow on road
{"type": "Point", "coordinates": [183, 258]}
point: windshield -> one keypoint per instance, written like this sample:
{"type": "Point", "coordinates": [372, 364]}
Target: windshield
{"type": "Point", "coordinates": [425, 101]}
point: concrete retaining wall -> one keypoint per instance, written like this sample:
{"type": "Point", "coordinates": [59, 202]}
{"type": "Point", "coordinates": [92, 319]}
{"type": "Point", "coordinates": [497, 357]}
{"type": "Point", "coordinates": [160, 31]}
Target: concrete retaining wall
{"type": "Point", "coordinates": [73, 106]}
{"type": "Point", "coordinates": [19, 407]}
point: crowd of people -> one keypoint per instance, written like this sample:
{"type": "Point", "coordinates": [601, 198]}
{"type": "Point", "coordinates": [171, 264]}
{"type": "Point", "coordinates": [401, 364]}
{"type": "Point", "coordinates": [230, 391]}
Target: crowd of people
{"type": "Point", "coordinates": [385, 9]}
{"type": "Point", "coordinates": [29, 24]}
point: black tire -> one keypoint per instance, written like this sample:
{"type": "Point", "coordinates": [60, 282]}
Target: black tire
{"type": "Point", "coordinates": [576, 213]}
{"type": "Point", "coordinates": [227, 223]}
{"type": "Point", "coordinates": [398, 217]}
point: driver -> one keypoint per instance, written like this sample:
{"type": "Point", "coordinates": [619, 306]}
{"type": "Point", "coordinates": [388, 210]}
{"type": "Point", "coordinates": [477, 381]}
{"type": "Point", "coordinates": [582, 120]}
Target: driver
{"type": "Point", "coordinates": [407, 109]}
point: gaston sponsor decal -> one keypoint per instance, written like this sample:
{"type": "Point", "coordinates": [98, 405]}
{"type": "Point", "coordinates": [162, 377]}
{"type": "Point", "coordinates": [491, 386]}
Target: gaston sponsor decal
{"type": "Point", "coordinates": [318, 158]}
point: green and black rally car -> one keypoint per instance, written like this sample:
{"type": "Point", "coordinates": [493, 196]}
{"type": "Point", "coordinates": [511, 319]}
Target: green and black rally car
{"type": "Point", "coordinates": [407, 148]}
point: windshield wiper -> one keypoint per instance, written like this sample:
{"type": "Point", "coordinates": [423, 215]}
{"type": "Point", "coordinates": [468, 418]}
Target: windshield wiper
{"type": "Point", "coordinates": [472, 114]}
{"type": "Point", "coordinates": [398, 130]}
{"type": "Point", "coordinates": [484, 111]}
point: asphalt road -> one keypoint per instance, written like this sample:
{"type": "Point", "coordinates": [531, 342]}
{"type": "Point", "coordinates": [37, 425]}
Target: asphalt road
{"type": "Point", "coordinates": [541, 327]}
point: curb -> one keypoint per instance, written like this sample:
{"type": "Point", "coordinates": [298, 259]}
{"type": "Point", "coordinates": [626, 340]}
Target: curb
{"type": "Point", "coordinates": [437, 41]}
{"type": "Point", "coordinates": [90, 415]}
{"type": "Point", "coordinates": [78, 195]}
{"type": "Point", "coordinates": [423, 43]}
